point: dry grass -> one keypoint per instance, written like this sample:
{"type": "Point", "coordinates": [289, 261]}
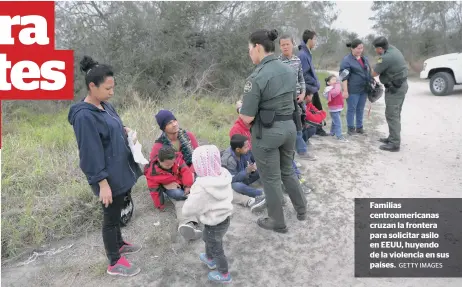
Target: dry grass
{"type": "Point", "coordinates": [45, 196]}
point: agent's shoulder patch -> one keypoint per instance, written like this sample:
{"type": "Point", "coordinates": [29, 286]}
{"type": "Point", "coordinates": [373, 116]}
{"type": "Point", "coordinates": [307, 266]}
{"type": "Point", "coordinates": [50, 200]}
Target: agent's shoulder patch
{"type": "Point", "coordinates": [247, 86]}
{"type": "Point", "coordinates": [379, 60]}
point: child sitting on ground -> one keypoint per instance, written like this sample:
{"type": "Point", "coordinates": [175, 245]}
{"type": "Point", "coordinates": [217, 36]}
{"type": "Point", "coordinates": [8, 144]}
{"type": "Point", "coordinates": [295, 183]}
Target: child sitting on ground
{"type": "Point", "coordinates": [170, 174]}
{"type": "Point", "coordinates": [335, 102]}
{"type": "Point", "coordinates": [314, 118]}
{"type": "Point", "coordinates": [210, 200]}
{"type": "Point", "coordinates": [239, 161]}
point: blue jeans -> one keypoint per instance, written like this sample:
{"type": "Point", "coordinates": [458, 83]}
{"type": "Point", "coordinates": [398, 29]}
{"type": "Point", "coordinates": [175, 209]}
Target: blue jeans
{"type": "Point", "coordinates": [243, 187]}
{"type": "Point", "coordinates": [336, 128]}
{"type": "Point", "coordinates": [356, 104]}
{"type": "Point", "coordinates": [300, 144]}
{"type": "Point", "coordinates": [308, 133]}
{"type": "Point", "coordinates": [177, 194]}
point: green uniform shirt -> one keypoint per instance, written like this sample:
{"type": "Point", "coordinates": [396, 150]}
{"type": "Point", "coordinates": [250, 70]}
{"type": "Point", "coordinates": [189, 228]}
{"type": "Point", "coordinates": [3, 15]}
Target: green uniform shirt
{"type": "Point", "coordinates": [391, 65]}
{"type": "Point", "coordinates": [271, 86]}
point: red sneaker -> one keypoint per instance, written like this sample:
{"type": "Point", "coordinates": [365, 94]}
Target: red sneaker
{"type": "Point", "coordinates": [123, 268]}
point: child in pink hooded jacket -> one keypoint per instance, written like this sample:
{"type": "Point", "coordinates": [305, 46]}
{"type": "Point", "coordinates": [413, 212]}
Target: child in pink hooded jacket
{"type": "Point", "coordinates": [335, 102]}
{"type": "Point", "coordinates": [210, 200]}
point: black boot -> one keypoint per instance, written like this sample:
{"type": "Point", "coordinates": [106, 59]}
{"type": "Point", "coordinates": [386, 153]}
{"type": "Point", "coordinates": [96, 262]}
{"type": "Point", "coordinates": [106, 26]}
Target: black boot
{"type": "Point", "coordinates": [351, 131]}
{"type": "Point", "coordinates": [360, 131]}
{"type": "Point", "coordinates": [390, 147]}
{"type": "Point", "coordinates": [301, 216]}
{"type": "Point", "coordinates": [384, 140]}
{"type": "Point", "coordinates": [268, 224]}
{"type": "Point", "coordinates": [321, 132]}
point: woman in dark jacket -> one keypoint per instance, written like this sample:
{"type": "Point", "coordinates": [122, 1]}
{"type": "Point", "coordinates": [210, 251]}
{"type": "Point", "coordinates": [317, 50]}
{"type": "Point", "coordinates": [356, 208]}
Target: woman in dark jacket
{"type": "Point", "coordinates": [105, 159]}
{"type": "Point", "coordinates": [355, 85]}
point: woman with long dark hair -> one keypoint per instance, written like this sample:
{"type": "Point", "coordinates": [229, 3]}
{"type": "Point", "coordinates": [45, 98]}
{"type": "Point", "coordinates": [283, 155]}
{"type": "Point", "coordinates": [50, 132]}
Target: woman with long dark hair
{"type": "Point", "coordinates": [105, 159]}
{"type": "Point", "coordinates": [355, 85]}
{"type": "Point", "coordinates": [270, 99]}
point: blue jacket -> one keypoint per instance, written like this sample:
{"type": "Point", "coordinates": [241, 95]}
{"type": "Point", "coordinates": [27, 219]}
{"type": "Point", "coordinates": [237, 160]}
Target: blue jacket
{"type": "Point", "coordinates": [236, 166]}
{"type": "Point", "coordinates": [311, 80]}
{"type": "Point", "coordinates": [358, 77]}
{"type": "Point", "coordinates": [103, 147]}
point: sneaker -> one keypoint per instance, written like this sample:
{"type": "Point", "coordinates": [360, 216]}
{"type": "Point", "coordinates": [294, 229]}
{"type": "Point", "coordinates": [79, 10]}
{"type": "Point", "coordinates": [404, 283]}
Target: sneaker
{"type": "Point", "coordinates": [308, 142]}
{"type": "Point", "coordinates": [189, 231]}
{"type": "Point", "coordinates": [258, 204]}
{"type": "Point", "coordinates": [302, 180]}
{"type": "Point", "coordinates": [308, 156]}
{"type": "Point", "coordinates": [123, 268]}
{"type": "Point", "coordinates": [209, 262]}
{"type": "Point", "coordinates": [216, 276]}
{"type": "Point", "coordinates": [297, 164]}
{"type": "Point", "coordinates": [129, 248]}
{"type": "Point", "coordinates": [306, 189]}
{"type": "Point", "coordinates": [360, 131]}
{"type": "Point", "coordinates": [342, 139]}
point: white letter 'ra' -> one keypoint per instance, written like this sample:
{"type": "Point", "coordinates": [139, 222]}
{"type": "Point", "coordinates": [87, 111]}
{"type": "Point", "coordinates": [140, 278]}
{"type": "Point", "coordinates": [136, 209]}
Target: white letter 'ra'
{"type": "Point", "coordinates": [39, 30]}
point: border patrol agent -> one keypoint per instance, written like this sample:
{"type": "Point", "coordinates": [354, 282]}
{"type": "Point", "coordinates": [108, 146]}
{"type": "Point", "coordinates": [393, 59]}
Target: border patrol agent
{"type": "Point", "coordinates": [269, 107]}
{"type": "Point", "coordinates": [393, 71]}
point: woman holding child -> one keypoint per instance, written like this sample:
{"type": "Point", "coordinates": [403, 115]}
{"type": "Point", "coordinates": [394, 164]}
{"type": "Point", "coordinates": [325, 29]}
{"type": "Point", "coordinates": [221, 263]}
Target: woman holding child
{"type": "Point", "coordinates": [355, 85]}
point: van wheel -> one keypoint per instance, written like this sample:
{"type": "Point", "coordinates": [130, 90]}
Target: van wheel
{"type": "Point", "coordinates": [441, 84]}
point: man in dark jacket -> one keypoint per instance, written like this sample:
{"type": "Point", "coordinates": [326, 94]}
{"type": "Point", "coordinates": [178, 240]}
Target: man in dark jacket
{"type": "Point", "coordinates": [312, 83]}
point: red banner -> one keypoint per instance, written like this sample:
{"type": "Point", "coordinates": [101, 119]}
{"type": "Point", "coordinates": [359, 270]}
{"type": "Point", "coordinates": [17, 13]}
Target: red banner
{"type": "Point", "coordinates": [30, 67]}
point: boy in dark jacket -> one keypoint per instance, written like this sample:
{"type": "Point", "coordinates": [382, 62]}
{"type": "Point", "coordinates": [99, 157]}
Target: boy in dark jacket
{"type": "Point", "coordinates": [312, 84]}
{"type": "Point", "coordinates": [239, 161]}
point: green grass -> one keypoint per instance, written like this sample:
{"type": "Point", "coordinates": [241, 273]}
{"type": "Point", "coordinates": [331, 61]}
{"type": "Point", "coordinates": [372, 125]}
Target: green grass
{"type": "Point", "coordinates": [45, 195]}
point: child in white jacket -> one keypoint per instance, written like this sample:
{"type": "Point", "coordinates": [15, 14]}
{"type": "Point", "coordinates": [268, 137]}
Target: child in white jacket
{"type": "Point", "coordinates": [210, 200]}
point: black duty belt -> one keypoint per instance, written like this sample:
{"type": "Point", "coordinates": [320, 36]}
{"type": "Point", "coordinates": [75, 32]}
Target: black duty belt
{"type": "Point", "coordinates": [283, 118]}
{"type": "Point", "coordinates": [277, 118]}
{"type": "Point", "coordinates": [396, 83]}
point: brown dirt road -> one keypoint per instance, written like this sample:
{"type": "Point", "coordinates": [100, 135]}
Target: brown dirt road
{"type": "Point", "coordinates": [317, 252]}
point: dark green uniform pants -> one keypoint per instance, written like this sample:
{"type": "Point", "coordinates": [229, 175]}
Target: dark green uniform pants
{"type": "Point", "coordinates": [394, 105]}
{"type": "Point", "coordinates": [274, 154]}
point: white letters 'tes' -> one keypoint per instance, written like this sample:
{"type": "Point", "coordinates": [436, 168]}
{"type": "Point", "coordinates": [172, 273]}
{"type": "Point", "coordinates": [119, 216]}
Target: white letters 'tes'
{"type": "Point", "coordinates": [39, 30]}
{"type": "Point", "coordinates": [18, 75]}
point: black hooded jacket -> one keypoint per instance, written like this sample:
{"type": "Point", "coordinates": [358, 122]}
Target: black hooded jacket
{"type": "Point", "coordinates": [103, 147]}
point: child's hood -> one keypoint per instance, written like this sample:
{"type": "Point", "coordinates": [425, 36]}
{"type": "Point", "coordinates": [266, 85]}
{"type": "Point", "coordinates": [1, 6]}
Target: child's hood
{"type": "Point", "coordinates": [216, 186]}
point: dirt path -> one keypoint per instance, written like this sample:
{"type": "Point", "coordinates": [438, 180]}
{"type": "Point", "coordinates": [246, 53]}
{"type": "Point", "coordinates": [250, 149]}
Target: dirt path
{"type": "Point", "coordinates": [317, 252]}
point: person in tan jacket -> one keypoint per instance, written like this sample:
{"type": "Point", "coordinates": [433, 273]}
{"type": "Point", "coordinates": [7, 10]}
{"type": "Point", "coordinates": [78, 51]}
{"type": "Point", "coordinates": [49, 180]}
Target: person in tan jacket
{"type": "Point", "coordinates": [210, 200]}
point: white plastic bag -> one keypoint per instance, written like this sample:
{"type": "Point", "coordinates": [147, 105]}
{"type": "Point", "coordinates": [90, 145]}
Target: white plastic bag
{"type": "Point", "coordinates": [135, 147]}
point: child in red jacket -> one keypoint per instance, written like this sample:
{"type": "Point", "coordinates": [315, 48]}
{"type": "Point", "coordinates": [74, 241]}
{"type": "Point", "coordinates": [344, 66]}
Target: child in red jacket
{"type": "Point", "coordinates": [314, 118]}
{"type": "Point", "coordinates": [168, 173]}
{"type": "Point", "coordinates": [335, 102]}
